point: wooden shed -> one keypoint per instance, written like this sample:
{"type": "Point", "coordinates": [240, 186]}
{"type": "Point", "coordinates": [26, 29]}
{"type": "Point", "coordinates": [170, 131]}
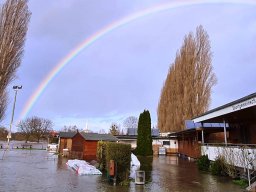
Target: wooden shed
{"type": "Point", "coordinates": [84, 145]}
{"type": "Point", "coordinates": [65, 141]}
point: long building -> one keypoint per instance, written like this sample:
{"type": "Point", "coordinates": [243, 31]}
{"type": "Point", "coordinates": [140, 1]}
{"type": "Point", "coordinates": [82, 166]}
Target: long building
{"type": "Point", "coordinates": [231, 127]}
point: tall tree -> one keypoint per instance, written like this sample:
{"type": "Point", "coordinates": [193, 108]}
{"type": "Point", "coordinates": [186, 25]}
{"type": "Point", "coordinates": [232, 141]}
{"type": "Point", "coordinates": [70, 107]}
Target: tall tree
{"type": "Point", "coordinates": [144, 138]}
{"type": "Point", "coordinates": [187, 90]}
{"type": "Point", "coordinates": [3, 104]}
{"type": "Point", "coordinates": [14, 18]}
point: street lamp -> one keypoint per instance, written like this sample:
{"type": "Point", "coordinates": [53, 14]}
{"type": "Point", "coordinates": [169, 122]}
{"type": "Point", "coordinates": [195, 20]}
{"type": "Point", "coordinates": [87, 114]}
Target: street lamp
{"type": "Point", "coordinates": [15, 88]}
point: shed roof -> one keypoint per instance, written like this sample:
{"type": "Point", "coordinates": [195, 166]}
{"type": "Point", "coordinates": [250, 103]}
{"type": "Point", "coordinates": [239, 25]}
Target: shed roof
{"type": "Point", "coordinates": [98, 137]}
{"type": "Point", "coordinates": [67, 134]}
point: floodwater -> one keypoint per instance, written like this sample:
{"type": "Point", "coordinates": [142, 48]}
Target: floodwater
{"type": "Point", "coordinates": [37, 170]}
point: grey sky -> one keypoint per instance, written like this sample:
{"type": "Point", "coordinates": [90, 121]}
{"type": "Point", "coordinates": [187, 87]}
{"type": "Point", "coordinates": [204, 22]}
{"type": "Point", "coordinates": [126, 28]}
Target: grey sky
{"type": "Point", "coordinates": [122, 73]}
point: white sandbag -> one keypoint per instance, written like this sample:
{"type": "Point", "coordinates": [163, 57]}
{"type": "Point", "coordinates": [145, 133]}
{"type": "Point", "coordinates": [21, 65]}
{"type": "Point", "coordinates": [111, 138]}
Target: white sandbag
{"type": "Point", "coordinates": [83, 168]}
{"type": "Point", "coordinates": [88, 170]}
{"type": "Point", "coordinates": [135, 165]}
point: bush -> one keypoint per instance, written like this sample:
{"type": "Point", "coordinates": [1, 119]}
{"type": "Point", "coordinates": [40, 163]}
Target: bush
{"type": "Point", "coordinates": [203, 163]}
{"type": "Point", "coordinates": [120, 153]}
{"type": "Point", "coordinates": [241, 182]}
{"type": "Point", "coordinates": [218, 166]}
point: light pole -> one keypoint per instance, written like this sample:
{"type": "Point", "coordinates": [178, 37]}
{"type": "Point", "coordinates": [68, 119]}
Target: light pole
{"type": "Point", "coordinates": [9, 136]}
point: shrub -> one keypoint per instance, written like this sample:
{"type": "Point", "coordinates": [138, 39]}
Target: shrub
{"type": "Point", "coordinates": [218, 166]}
{"type": "Point", "coordinates": [121, 154]}
{"type": "Point", "coordinates": [203, 163]}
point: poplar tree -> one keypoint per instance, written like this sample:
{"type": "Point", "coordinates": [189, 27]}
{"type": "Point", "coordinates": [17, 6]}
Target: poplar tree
{"type": "Point", "coordinates": [14, 18]}
{"type": "Point", "coordinates": [144, 138]}
{"type": "Point", "coordinates": [186, 92]}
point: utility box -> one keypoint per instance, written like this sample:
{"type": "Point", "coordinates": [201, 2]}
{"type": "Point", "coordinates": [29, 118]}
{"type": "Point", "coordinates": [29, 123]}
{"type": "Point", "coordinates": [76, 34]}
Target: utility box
{"type": "Point", "coordinates": [140, 177]}
{"type": "Point", "coordinates": [162, 151]}
{"type": "Point", "coordinates": [112, 168]}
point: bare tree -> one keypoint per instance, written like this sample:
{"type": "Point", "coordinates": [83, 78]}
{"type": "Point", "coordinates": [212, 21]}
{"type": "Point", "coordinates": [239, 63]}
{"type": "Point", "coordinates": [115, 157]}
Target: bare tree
{"type": "Point", "coordinates": [70, 128]}
{"type": "Point", "coordinates": [187, 89]}
{"type": "Point", "coordinates": [41, 127]}
{"type": "Point", "coordinates": [102, 131]}
{"type": "Point", "coordinates": [114, 129]}
{"type": "Point", "coordinates": [25, 128]}
{"type": "Point", "coordinates": [14, 18]}
{"type": "Point", "coordinates": [36, 126]}
{"type": "Point", "coordinates": [131, 122]}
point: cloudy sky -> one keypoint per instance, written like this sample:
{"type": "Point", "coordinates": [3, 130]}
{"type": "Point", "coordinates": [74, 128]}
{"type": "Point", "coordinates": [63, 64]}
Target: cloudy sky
{"type": "Point", "coordinates": [122, 73]}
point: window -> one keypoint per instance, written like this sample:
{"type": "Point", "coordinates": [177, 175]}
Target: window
{"type": "Point", "coordinates": [166, 142]}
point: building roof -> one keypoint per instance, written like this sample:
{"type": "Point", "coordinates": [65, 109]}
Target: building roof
{"type": "Point", "coordinates": [134, 137]}
{"type": "Point", "coordinates": [155, 132]}
{"type": "Point", "coordinates": [67, 134]}
{"type": "Point", "coordinates": [134, 132]}
{"type": "Point", "coordinates": [239, 104]}
{"type": "Point", "coordinates": [98, 137]}
{"type": "Point", "coordinates": [127, 137]}
{"type": "Point", "coordinates": [89, 136]}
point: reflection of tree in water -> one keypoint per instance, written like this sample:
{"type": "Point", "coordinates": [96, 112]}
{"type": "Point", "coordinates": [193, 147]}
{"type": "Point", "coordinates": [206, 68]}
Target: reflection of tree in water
{"type": "Point", "coordinates": [146, 165]}
{"type": "Point", "coordinates": [61, 163]}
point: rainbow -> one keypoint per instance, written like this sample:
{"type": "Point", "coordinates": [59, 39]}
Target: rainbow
{"type": "Point", "coordinates": [107, 29]}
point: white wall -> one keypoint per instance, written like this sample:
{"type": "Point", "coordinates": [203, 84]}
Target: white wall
{"type": "Point", "coordinates": [133, 143]}
{"type": "Point", "coordinates": [234, 155]}
{"type": "Point", "coordinates": [173, 143]}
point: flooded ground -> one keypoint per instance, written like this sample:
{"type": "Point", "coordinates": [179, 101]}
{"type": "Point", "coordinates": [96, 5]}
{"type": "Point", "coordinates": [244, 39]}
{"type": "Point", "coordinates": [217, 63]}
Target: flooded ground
{"type": "Point", "coordinates": [37, 170]}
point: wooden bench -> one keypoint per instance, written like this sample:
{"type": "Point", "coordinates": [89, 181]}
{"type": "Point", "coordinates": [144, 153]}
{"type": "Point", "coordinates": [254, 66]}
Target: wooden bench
{"type": "Point", "coordinates": [26, 145]}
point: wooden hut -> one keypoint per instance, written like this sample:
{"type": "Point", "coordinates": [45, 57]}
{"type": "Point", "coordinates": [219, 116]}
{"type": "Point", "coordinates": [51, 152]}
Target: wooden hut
{"type": "Point", "coordinates": [84, 145]}
{"type": "Point", "coordinates": [65, 141]}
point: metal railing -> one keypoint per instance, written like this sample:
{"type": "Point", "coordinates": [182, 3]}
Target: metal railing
{"type": "Point", "coordinates": [229, 145]}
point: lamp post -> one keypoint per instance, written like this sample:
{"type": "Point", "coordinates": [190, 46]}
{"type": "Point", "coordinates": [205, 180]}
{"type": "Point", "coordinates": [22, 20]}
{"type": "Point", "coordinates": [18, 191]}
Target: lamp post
{"type": "Point", "coordinates": [15, 88]}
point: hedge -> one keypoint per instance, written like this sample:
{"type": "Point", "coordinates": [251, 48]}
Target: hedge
{"type": "Point", "coordinates": [120, 153]}
{"type": "Point", "coordinates": [101, 155]}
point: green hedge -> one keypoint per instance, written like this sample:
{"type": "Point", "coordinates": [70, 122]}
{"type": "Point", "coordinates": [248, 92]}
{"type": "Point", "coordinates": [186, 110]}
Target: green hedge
{"type": "Point", "coordinates": [120, 153]}
{"type": "Point", "coordinates": [101, 155]}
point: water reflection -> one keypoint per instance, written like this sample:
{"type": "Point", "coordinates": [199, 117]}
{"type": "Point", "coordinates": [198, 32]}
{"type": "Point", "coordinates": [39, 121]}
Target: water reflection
{"type": "Point", "coordinates": [34, 170]}
{"type": "Point", "coordinates": [146, 165]}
